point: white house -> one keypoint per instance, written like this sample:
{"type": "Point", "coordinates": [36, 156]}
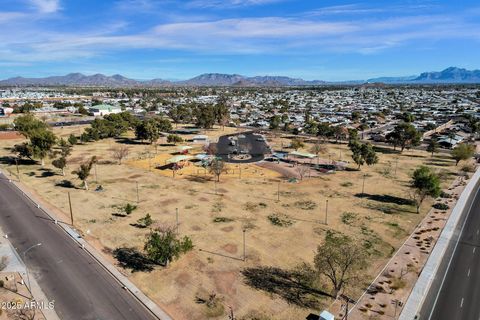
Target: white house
{"type": "Point", "coordinates": [103, 109]}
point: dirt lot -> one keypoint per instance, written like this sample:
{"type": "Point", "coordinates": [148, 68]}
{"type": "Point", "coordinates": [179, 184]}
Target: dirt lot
{"type": "Point", "coordinates": [244, 201]}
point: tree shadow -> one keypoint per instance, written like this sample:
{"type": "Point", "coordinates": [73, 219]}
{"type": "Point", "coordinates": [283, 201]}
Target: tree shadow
{"type": "Point", "coordinates": [439, 164]}
{"type": "Point", "coordinates": [131, 258]}
{"type": "Point", "coordinates": [138, 225]}
{"type": "Point", "coordinates": [385, 198]}
{"type": "Point", "coordinates": [385, 150]}
{"type": "Point", "coordinates": [46, 174]}
{"type": "Point", "coordinates": [287, 284]}
{"type": "Point", "coordinates": [65, 184]}
{"type": "Point", "coordinates": [130, 141]}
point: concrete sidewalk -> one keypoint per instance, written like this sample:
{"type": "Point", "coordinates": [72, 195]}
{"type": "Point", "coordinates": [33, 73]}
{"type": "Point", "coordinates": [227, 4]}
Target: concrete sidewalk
{"type": "Point", "coordinates": [124, 281]}
{"type": "Point", "coordinates": [15, 264]}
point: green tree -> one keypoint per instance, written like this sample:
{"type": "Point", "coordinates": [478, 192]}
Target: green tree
{"type": "Point", "coordinates": [275, 122]}
{"type": "Point", "coordinates": [42, 142]}
{"type": "Point", "coordinates": [145, 221]}
{"type": "Point", "coordinates": [148, 130]}
{"type": "Point", "coordinates": [174, 138]}
{"type": "Point", "coordinates": [23, 150]}
{"type": "Point", "coordinates": [362, 153]}
{"type": "Point", "coordinates": [72, 139]}
{"type": "Point", "coordinates": [297, 144]}
{"type": "Point", "coordinates": [433, 146]}
{"type": "Point", "coordinates": [425, 183]}
{"type": "Point", "coordinates": [404, 135]}
{"type": "Point", "coordinates": [205, 116]}
{"type": "Point", "coordinates": [463, 151]}
{"type": "Point", "coordinates": [340, 259]}
{"type": "Point", "coordinates": [27, 124]}
{"type": "Point", "coordinates": [83, 172]}
{"type": "Point", "coordinates": [60, 163]}
{"type": "Point", "coordinates": [162, 246]}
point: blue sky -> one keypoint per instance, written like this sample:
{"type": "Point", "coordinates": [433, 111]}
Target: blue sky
{"type": "Point", "coordinates": [173, 39]}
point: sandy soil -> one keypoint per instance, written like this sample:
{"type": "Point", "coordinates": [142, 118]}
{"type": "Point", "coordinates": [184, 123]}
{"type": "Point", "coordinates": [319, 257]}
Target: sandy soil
{"type": "Point", "coordinates": [247, 201]}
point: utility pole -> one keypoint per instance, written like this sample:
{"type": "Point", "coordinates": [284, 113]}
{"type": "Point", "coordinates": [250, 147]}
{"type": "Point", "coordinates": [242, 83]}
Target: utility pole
{"type": "Point", "coordinates": [138, 197]}
{"type": "Point", "coordinates": [70, 205]}
{"type": "Point", "coordinates": [244, 248]}
{"type": "Point", "coordinates": [278, 192]}
{"type": "Point", "coordinates": [363, 184]}
{"type": "Point", "coordinates": [326, 212]}
{"type": "Point", "coordinates": [18, 171]}
{"type": "Point", "coordinates": [176, 214]}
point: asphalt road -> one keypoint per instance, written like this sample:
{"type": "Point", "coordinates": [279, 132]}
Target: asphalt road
{"type": "Point", "coordinates": [459, 297]}
{"type": "Point", "coordinates": [80, 287]}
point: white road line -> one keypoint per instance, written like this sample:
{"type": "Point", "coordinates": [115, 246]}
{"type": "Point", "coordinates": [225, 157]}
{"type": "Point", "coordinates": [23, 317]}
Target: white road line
{"type": "Point", "coordinates": [461, 303]}
{"type": "Point", "coordinates": [474, 249]}
{"type": "Point", "coordinates": [468, 275]}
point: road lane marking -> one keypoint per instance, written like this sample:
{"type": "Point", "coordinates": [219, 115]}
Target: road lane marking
{"type": "Point", "coordinates": [474, 249]}
{"type": "Point", "coordinates": [461, 303]}
{"type": "Point", "coordinates": [468, 275]}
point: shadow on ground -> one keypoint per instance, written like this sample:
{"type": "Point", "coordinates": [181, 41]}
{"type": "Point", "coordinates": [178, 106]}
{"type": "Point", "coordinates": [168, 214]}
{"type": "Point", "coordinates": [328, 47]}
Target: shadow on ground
{"type": "Point", "coordinates": [131, 258]}
{"type": "Point", "coordinates": [287, 284]}
{"type": "Point", "coordinates": [385, 198]}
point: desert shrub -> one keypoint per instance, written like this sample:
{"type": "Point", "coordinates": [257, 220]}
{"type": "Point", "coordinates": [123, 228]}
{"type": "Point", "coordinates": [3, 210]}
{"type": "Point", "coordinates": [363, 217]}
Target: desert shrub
{"type": "Point", "coordinates": [129, 208]}
{"type": "Point", "coordinates": [445, 195]}
{"type": "Point", "coordinates": [305, 205]}
{"type": "Point", "coordinates": [349, 217]}
{"type": "Point", "coordinates": [222, 219]}
{"type": "Point", "coordinates": [213, 304]}
{"type": "Point", "coordinates": [346, 184]}
{"type": "Point", "coordinates": [280, 220]}
{"type": "Point", "coordinates": [145, 221]}
{"type": "Point", "coordinates": [441, 206]}
{"type": "Point", "coordinates": [253, 207]}
{"type": "Point", "coordinates": [218, 207]}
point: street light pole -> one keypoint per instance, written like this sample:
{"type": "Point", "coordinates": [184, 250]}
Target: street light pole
{"type": "Point", "coordinates": [363, 184]}
{"type": "Point", "coordinates": [26, 268]}
{"type": "Point", "coordinates": [70, 205]}
{"type": "Point", "coordinates": [244, 249]}
{"type": "Point", "coordinates": [326, 212]}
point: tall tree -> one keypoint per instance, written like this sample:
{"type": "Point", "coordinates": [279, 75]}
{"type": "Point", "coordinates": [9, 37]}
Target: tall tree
{"type": "Point", "coordinates": [404, 135]}
{"type": "Point", "coordinates": [217, 167]}
{"type": "Point", "coordinates": [433, 146]}
{"type": "Point", "coordinates": [362, 153]}
{"type": "Point", "coordinates": [42, 142]}
{"type": "Point", "coordinates": [83, 172]}
{"type": "Point", "coordinates": [340, 259]}
{"type": "Point", "coordinates": [425, 183]}
{"type": "Point", "coordinates": [463, 151]}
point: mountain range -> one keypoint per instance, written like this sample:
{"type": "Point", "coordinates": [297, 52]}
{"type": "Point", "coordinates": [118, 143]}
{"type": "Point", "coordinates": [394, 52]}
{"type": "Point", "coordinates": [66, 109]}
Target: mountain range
{"type": "Point", "coordinates": [450, 75]}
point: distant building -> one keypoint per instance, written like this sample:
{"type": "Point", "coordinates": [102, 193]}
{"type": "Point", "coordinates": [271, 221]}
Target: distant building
{"type": "Point", "coordinates": [103, 110]}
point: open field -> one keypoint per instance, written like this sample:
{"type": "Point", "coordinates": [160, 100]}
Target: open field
{"type": "Point", "coordinates": [381, 219]}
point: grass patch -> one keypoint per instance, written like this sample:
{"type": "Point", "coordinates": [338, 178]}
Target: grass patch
{"type": "Point", "coordinates": [254, 207]}
{"type": "Point", "coordinates": [218, 207]}
{"type": "Point", "coordinates": [349, 218]}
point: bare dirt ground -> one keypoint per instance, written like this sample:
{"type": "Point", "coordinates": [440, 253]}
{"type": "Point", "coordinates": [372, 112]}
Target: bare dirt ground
{"type": "Point", "coordinates": [244, 201]}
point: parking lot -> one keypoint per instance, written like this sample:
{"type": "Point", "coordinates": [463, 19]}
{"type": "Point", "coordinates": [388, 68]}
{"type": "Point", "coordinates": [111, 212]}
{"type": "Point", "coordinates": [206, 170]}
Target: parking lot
{"type": "Point", "coordinates": [242, 148]}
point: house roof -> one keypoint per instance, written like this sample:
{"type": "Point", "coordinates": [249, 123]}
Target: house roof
{"type": "Point", "coordinates": [179, 158]}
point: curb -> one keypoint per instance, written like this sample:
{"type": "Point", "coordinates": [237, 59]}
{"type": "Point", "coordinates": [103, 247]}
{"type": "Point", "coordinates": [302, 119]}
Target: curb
{"type": "Point", "coordinates": [121, 279]}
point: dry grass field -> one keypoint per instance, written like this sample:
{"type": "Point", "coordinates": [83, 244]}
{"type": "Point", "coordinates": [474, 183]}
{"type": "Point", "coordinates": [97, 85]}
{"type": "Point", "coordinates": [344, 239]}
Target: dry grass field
{"type": "Point", "coordinates": [215, 222]}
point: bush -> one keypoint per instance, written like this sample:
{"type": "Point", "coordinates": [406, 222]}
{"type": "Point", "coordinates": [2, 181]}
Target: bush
{"type": "Point", "coordinates": [222, 219]}
{"type": "Point", "coordinates": [162, 246]}
{"type": "Point", "coordinates": [349, 217]}
{"type": "Point", "coordinates": [305, 205]}
{"type": "Point", "coordinates": [445, 195]}
{"type": "Point", "coordinates": [145, 221]}
{"type": "Point", "coordinates": [129, 208]}
{"type": "Point", "coordinates": [280, 220]}
{"type": "Point", "coordinates": [441, 206]}
{"type": "Point", "coordinates": [346, 184]}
